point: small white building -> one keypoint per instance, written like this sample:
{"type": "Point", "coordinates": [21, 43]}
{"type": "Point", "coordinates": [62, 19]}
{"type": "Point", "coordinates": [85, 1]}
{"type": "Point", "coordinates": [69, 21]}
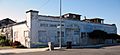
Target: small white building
{"type": "Point", "coordinates": [38, 30]}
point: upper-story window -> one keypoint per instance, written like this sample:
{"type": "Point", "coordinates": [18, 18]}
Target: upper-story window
{"type": "Point", "coordinates": [70, 25]}
{"type": "Point", "coordinates": [43, 25]}
{"type": "Point", "coordinates": [61, 24]}
{"type": "Point", "coordinates": [75, 25]}
{"type": "Point", "coordinates": [66, 16]}
{"type": "Point", "coordinates": [53, 25]}
{"type": "Point", "coordinates": [74, 16]}
{"type": "Point", "coordinates": [26, 33]}
{"type": "Point", "coordinates": [83, 34]}
{"type": "Point", "coordinates": [58, 34]}
{"type": "Point", "coordinates": [15, 35]}
{"type": "Point", "coordinates": [76, 32]}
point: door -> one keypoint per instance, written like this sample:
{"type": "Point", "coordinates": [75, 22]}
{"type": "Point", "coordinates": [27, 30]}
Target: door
{"type": "Point", "coordinates": [73, 35]}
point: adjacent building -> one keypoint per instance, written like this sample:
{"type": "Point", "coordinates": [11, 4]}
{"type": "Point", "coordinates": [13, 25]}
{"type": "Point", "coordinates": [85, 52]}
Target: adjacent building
{"type": "Point", "coordinates": [6, 28]}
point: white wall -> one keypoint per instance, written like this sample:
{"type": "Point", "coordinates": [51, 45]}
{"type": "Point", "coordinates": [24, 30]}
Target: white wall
{"type": "Point", "coordinates": [19, 34]}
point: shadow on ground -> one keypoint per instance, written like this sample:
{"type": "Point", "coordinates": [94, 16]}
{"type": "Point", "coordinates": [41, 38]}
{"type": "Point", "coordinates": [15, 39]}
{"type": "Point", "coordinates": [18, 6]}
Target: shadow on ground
{"type": "Point", "coordinates": [6, 53]}
{"type": "Point", "coordinates": [94, 46]}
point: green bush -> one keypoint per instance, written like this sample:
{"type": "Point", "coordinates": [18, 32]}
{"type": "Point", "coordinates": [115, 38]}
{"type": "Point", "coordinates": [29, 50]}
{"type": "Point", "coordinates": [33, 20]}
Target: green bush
{"type": "Point", "coordinates": [2, 37]}
{"type": "Point", "coordinates": [4, 41]}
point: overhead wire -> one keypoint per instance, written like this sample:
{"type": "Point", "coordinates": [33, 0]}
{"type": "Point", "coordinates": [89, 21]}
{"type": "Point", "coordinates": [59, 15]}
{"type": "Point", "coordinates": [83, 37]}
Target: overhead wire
{"type": "Point", "coordinates": [44, 4]}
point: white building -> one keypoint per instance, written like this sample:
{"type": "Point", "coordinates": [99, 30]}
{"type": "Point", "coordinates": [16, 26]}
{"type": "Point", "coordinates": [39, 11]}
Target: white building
{"type": "Point", "coordinates": [40, 29]}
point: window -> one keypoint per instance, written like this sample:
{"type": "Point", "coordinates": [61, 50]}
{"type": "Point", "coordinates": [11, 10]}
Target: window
{"type": "Point", "coordinates": [15, 35]}
{"type": "Point", "coordinates": [26, 34]}
{"type": "Point", "coordinates": [74, 16]}
{"type": "Point", "coordinates": [42, 36]}
{"type": "Point", "coordinates": [58, 33]}
{"type": "Point", "coordinates": [44, 25]}
{"type": "Point", "coordinates": [75, 25]}
{"type": "Point", "coordinates": [82, 34]}
{"type": "Point", "coordinates": [53, 25]}
{"type": "Point", "coordinates": [76, 32]}
{"type": "Point", "coordinates": [70, 25]}
{"type": "Point", "coordinates": [61, 24]}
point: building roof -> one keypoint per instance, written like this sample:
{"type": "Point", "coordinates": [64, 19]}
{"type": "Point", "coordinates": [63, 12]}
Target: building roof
{"type": "Point", "coordinates": [32, 11]}
{"type": "Point", "coordinates": [50, 16]}
{"type": "Point", "coordinates": [97, 18]}
{"type": "Point", "coordinates": [71, 14]}
{"type": "Point", "coordinates": [6, 22]}
{"type": "Point", "coordinates": [93, 19]}
{"type": "Point", "coordinates": [23, 22]}
{"type": "Point", "coordinates": [81, 20]}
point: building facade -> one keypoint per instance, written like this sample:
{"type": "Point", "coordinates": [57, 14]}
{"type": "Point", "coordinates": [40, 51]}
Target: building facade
{"type": "Point", "coordinates": [38, 30]}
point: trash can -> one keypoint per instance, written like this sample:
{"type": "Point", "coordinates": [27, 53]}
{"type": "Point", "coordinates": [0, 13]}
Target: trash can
{"type": "Point", "coordinates": [69, 45]}
{"type": "Point", "coordinates": [51, 46]}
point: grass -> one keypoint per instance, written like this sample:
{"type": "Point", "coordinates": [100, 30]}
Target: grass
{"type": "Point", "coordinates": [5, 47]}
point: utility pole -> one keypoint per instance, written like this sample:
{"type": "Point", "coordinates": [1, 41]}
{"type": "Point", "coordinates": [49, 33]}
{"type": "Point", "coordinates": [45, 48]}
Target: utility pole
{"type": "Point", "coordinates": [60, 37]}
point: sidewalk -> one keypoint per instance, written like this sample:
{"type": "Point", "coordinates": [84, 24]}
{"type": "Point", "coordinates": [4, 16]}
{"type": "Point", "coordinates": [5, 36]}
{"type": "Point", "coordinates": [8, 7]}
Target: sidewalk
{"type": "Point", "coordinates": [22, 50]}
{"type": "Point", "coordinates": [45, 49]}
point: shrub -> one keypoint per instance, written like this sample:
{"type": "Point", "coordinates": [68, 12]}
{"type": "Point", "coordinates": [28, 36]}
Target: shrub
{"type": "Point", "coordinates": [2, 37]}
{"type": "Point", "coordinates": [10, 43]}
{"type": "Point", "coordinates": [20, 46]}
{"type": "Point", "coordinates": [2, 42]}
{"type": "Point", "coordinates": [118, 41]}
{"type": "Point", "coordinates": [17, 44]}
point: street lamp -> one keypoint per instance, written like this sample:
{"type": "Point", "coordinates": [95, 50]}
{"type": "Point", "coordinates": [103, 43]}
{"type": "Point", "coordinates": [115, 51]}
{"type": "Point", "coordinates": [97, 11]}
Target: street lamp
{"type": "Point", "coordinates": [60, 37]}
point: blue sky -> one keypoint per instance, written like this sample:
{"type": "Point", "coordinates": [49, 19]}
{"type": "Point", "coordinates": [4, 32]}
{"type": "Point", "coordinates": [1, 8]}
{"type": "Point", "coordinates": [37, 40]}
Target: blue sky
{"type": "Point", "coordinates": [106, 9]}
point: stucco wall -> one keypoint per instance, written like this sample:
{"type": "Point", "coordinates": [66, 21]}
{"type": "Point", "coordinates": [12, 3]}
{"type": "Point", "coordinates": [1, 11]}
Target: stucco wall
{"type": "Point", "coordinates": [41, 31]}
{"type": "Point", "coordinates": [19, 34]}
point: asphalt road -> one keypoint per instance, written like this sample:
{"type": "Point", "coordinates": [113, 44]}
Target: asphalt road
{"type": "Point", "coordinates": [114, 50]}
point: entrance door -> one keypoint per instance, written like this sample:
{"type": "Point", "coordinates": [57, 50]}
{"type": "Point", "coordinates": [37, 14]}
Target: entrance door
{"type": "Point", "coordinates": [26, 38]}
{"type": "Point", "coordinates": [73, 36]}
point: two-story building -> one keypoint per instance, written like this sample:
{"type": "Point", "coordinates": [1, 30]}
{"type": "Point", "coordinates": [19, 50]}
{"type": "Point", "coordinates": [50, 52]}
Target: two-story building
{"type": "Point", "coordinates": [38, 30]}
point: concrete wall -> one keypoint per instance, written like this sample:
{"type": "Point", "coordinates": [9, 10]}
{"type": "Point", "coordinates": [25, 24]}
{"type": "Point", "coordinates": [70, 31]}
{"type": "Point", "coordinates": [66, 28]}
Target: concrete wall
{"type": "Point", "coordinates": [41, 31]}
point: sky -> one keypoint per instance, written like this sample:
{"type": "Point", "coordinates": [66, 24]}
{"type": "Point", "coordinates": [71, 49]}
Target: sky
{"type": "Point", "coordinates": [105, 9]}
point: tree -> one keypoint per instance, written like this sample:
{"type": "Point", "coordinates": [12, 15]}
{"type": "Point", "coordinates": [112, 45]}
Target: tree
{"type": "Point", "coordinates": [98, 34]}
{"type": "Point", "coordinates": [113, 36]}
{"type": "Point", "coordinates": [103, 35]}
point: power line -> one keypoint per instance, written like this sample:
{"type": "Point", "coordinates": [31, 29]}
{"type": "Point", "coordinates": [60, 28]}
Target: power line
{"type": "Point", "coordinates": [44, 4]}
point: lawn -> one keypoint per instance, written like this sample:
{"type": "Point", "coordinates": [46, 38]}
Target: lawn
{"type": "Point", "coordinates": [6, 47]}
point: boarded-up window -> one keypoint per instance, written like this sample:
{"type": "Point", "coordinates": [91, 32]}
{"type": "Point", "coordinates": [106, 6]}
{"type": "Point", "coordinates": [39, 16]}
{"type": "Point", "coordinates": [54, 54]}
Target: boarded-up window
{"type": "Point", "coordinates": [42, 36]}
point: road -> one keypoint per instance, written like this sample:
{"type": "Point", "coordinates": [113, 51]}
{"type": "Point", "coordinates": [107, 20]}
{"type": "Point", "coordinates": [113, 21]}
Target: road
{"type": "Point", "coordinates": [114, 50]}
